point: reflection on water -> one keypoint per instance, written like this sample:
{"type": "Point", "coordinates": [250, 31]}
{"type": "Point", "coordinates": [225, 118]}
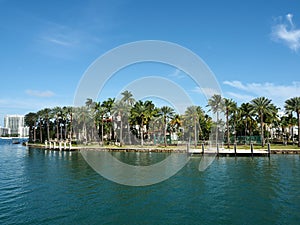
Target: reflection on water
{"type": "Point", "coordinates": [140, 158]}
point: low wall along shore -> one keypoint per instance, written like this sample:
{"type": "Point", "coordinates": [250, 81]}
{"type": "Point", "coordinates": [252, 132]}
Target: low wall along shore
{"type": "Point", "coordinates": [66, 146]}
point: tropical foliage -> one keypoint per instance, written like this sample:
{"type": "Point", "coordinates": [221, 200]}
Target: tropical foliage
{"type": "Point", "coordinates": [130, 121]}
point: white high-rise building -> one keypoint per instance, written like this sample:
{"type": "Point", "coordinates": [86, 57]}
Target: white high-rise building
{"type": "Point", "coordinates": [4, 131]}
{"type": "Point", "coordinates": [16, 125]}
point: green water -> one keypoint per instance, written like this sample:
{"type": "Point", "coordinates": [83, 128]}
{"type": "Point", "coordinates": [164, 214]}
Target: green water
{"type": "Point", "coordinates": [51, 187]}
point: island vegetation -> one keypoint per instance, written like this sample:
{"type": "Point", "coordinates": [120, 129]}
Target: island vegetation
{"type": "Point", "coordinates": [129, 121]}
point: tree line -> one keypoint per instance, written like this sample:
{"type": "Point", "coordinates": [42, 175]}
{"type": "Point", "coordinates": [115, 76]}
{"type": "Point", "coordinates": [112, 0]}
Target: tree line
{"type": "Point", "coordinates": [130, 121]}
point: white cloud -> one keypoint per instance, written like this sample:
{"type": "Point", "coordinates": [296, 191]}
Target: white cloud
{"type": "Point", "coordinates": [65, 42]}
{"type": "Point", "coordinates": [58, 41]}
{"type": "Point", "coordinates": [278, 93]}
{"type": "Point", "coordinates": [177, 74]}
{"type": "Point", "coordinates": [42, 94]}
{"type": "Point", "coordinates": [235, 84]}
{"type": "Point", "coordinates": [208, 92]}
{"type": "Point", "coordinates": [287, 33]}
{"type": "Point", "coordinates": [59, 35]}
{"type": "Point", "coordinates": [239, 97]}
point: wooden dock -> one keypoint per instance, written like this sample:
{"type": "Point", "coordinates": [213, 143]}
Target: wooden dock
{"type": "Point", "coordinates": [230, 152]}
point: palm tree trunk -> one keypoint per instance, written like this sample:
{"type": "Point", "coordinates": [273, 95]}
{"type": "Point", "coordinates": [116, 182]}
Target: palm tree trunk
{"type": "Point", "coordinates": [142, 132]}
{"type": "Point", "coordinates": [48, 131]}
{"type": "Point", "coordinates": [66, 127]}
{"type": "Point", "coordinates": [71, 127]}
{"type": "Point", "coordinates": [41, 133]}
{"type": "Point", "coordinates": [57, 130]}
{"type": "Point", "coordinates": [102, 131]}
{"type": "Point", "coordinates": [121, 133]}
{"type": "Point", "coordinates": [60, 132]}
{"type": "Point", "coordinates": [129, 135]}
{"type": "Point", "coordinates": [262, 130]}
{"type": "Point", "coordinates": [298, 118]}
{"type": "Point", "coordinates": [195, 133]}
{"type": "Point", "coordinates": [217, 128]}
{"type": "Point", "coordinates": [34, 134]}
{"type": "Point", "coordinates": [227, 127]}
{"type": "Point", "coordinates": [165, 133]}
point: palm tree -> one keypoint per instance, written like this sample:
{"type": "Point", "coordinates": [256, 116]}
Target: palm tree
{"type": "Point", "coordinates": [30, 120]}
{"type": "Point", "coordinates": [230, 108]}
{"type": "Point", "coordinates": [216, 105]}
{"type": "Point", "coordinates": [69, 113]}
{"type": "Point", "coordinates": [129, 101]}
{"type": "Point", "coordinates": [107, 105]}
{"type": "Point", "coordinates": [271, 119]}
{"type": "Point", "coordinates": [141, 114]}
{"type": "Point", "coordinates": [89, 103]}
{"type": "Point", "coordinates": [120, 110]}
{"type": "Point", "coordinates": [176, 123]}
{"type": "Point", "coordinates": [46, 113]}
{"type": "Point", "coordinates": [191, 118]}
{"type": "Point", "coordinates": [261, 106]}
{"type": "Point", "coordinates": [80, 115]}
{"type": "Point", "coordinates": [293, 105]}
{"type": "Point", "coordinates": [127, 98]}
{"type": "Point", "coordinates": [99, 117]}
{"type": "Point", "coordinates": [246, 113]}
{"type": "Point", "coordinates": [56, 113]}
{"type": "Point", "coordinates": [40, 115]}
{"type": "Point", "coordinates": [167, 113]}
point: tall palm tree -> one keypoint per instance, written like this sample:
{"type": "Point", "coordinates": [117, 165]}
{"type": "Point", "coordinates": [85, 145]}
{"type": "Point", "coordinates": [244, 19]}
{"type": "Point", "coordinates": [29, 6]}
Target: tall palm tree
{"type": "Point", "coordinates": [176, 123]}
{"type": "Point", "coordinates": [141, 114]}
{"type": "Point", "coordinates": [167, 113]}
{"type": "Point", "coordinates": [230, 108]}
{"type": "Point", "coordinates": [246, 116]}
{"type": "Point", "coordinates": [89, 103]}
{"type": "Point", "coordinates": [191, 118]}
{"type": "Point", "coordinates": [107, 105]}
{"type": "Point", "coordinates": [261, 106]}
{"type": "Point", "coordinates": [129, 101]}
{"type": "Point", "coordinates": [127, 97]}
{"type": "Point", "coordinates": [30, 120]}
{"type": "Point", "coordinates": [56, 113]}
{"type": "Point", "coordinates": [216, 105]}
{"type": "Point", "coordinates": [272, 119]}
{"type": "Point", "coordinates": [80, 115]}
{"type": "Point", "coordinates": [120, 110]}
{"type": "Point", "coordinates": [293, 105]}
{"type": "Point", "coordinates": [69, 113]}
{"type": "Point", "coordinates": [99, 118]}
{"type": "Point", "coordinates": [40, 115]}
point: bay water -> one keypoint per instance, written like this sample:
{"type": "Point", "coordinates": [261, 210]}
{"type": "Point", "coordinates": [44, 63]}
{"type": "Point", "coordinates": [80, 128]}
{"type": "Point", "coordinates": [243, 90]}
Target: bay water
{"type": "Point", "coordinates": [40, 186]}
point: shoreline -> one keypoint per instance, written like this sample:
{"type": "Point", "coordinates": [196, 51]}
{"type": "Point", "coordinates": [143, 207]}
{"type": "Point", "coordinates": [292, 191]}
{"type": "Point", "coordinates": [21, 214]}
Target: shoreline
{"type": "Point", "coordinates": [161, 149]}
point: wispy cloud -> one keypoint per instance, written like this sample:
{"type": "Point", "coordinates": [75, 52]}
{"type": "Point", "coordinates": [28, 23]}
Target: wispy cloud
{"type": "Point", "coordinates": [177, 74]}
{"type": "Point", "coordinates": [61, 35]}
{"type": "Point", "coordinates": [64, 41]}
{"type": "Point", "coordinates": [287, 33]}
{"type": "Point", "coordinates": [58, 41]}
{"type": "Point", "coordinates": [208, 92]}
{"type": "Point", "coordinates": [41, 94]}
{"type": "Point", "coordinates": [239, 97]}
{"type": "Point", "coordinates": [278, 93]}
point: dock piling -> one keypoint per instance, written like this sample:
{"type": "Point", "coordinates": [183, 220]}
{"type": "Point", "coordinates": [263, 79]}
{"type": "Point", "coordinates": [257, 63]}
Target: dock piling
{"type": "Point", "coordinates": [251, 147]}
{"type": "Point", "coordinates": [234, 147]}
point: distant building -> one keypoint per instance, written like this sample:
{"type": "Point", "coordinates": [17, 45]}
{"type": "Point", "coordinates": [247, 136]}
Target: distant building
{"type": "Point", "coordinates": [4, 131]}
{"type": "Point", "coordinates": [16, 125]}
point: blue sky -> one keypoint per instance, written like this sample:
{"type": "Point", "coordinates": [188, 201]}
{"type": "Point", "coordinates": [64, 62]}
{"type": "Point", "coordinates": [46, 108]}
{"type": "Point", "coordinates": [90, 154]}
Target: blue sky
{"type": "Point", "coordinates": [46, 46]}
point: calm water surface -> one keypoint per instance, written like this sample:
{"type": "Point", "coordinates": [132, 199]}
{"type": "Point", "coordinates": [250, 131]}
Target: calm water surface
{"type": "Point", "coordinates": [50, 187]}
